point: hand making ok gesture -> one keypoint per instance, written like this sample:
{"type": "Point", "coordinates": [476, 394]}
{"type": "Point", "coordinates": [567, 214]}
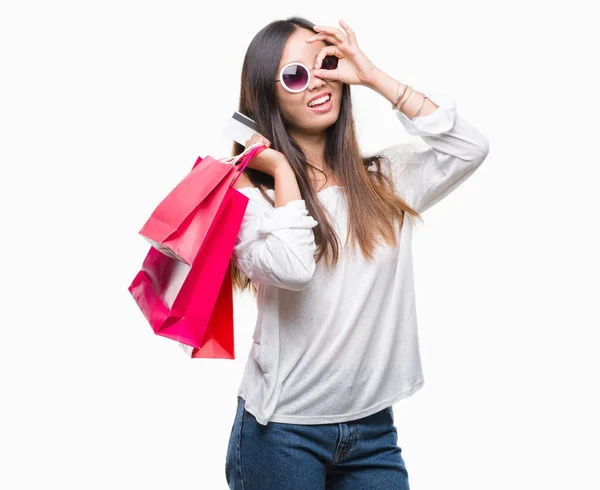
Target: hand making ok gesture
{"type": "Point", "coordinates": [353, 66]}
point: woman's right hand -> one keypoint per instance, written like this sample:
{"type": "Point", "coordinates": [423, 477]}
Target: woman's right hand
{"type": "Point", "coordinates": [268, 160]}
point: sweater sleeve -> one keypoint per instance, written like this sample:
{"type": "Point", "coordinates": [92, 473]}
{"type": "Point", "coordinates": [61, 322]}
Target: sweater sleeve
{"type": "Point", "coordinates": [454, 150]}
{"type": "Point", "coordinates": [276, 246]}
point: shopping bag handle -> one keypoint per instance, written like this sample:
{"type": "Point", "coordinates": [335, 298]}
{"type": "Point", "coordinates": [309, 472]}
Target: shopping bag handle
{"type": "Point", "coordinates": [233, 159]}
{"type": "Point", "coordinates": [246, 156]}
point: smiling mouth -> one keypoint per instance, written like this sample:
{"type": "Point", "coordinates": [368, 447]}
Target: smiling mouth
{"type": "Point", "coordinates": [323, 103]}
{"type": "Point", "coordinates": [323, 108]}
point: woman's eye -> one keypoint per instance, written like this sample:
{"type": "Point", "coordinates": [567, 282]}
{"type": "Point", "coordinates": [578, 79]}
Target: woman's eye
{"type": "Point", "coordinates": [330, 62]}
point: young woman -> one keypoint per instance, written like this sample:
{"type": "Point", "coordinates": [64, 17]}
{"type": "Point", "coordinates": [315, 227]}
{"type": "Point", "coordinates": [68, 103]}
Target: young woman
{"type": "Point", "coordinates": [326, 246]}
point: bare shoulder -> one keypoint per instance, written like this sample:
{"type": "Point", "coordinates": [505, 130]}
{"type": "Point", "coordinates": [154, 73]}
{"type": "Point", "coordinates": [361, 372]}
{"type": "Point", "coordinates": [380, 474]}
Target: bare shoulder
{"type": "Point", "coordinates": [243, 181]}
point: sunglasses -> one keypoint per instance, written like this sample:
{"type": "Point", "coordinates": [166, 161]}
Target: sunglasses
{"type": "Point", "coordinates": [295, 76]}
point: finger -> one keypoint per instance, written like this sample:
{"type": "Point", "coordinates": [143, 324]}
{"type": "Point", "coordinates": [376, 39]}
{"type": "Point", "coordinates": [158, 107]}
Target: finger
{"type": "Point", "coordinates": [324, 37]}
{"type": "Point", "coordinates": [326, 74]}
{"type": "Point", "coordinates": [332, 31]}
{"type": "Point", "coordinates": [331, 37]}
{"type": "Point", "coordinates": [349, 33]}
{"type": "Point", "coordinates": [326, 51]}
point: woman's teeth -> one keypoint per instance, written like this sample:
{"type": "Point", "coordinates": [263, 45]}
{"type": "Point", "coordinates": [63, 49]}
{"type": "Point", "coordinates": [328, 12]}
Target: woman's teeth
{"type": "Point", "coordinates": [320, 101]}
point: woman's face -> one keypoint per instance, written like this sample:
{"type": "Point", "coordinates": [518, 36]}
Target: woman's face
{"type": "Point", "coordinates": [294, 106]}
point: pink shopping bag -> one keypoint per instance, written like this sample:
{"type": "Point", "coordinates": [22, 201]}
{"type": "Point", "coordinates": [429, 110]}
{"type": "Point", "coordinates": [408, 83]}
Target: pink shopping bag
{"type": "Point", "coordinates": [192, 303]}
{"type": "Point", "coordinates": [180, 223]}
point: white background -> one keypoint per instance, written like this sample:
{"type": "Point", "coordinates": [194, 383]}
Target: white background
{"type": "Point", "coordinates": [106, 105]}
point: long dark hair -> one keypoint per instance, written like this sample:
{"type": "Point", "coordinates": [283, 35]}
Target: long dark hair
{"type": "Point", "coordinates": [373, 206]}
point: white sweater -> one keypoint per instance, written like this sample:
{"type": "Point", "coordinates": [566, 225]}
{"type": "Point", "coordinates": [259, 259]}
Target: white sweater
{"type": "Point", "coordinates": [340, 344]}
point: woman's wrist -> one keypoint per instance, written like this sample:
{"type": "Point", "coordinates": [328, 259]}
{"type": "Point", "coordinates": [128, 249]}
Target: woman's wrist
{"type": "Point", "coordinates": [412, 100]}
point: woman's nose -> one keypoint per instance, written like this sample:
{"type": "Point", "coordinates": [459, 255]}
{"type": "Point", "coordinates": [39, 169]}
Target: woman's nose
{"type": "Point", "coordinates": [315, 81]}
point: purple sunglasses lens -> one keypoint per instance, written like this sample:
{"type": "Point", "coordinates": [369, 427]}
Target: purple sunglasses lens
{"type": "Point", "coordinates": [295, 76]}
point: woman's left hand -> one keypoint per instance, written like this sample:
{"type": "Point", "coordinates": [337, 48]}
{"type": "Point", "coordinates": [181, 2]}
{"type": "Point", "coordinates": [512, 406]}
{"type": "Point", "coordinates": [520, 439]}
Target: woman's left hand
{"type": "Point", "coordinates": [353, 66]}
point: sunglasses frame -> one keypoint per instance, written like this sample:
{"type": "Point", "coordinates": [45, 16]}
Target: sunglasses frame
{"type": "Point", "coordinates": [309, 70]}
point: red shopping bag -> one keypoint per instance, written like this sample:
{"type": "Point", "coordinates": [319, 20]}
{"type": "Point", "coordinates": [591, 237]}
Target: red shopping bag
{"type": "Point", "coordinates": [192, 303]}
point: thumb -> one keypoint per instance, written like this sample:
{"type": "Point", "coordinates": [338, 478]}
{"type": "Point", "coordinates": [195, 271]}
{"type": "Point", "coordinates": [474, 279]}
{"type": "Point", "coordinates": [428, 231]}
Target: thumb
{"type": "Point", "coordinates": [325, 74]}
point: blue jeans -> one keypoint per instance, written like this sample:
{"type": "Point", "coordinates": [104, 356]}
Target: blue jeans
{"type": "Point", "coordinates": [359, 454]}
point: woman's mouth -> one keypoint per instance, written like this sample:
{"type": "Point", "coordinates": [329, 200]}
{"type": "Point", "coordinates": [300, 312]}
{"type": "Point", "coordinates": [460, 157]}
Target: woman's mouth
{"type": "Point", "coordinates": [324, 107]}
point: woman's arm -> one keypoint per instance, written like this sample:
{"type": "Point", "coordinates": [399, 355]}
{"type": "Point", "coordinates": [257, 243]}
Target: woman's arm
{"type": "Point", "coordinates": [454, 148]}
{"type": "Point", "coordinates": [276, 244]}
{"type": "Point", "coordinates": [286, 186]}
{"type": "Point", "coordinates": [387, 86]}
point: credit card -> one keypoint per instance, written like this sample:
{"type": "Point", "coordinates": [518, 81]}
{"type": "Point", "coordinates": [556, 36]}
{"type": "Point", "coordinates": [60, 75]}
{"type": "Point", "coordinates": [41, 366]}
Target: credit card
{"type": "Point", "coordinates": [240, 128]}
